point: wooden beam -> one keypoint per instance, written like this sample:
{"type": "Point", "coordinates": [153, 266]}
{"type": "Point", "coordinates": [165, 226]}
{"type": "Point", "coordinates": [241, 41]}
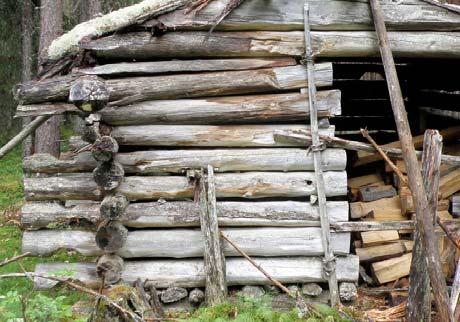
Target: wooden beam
{"type": "Point", "coordinates": [183, 243]}
{"type": "Point", "coordinates": [424, 220]}
{"type": "Point", "coordinates": [250, 185]}
{"type": "Point", "coordinates": [178, 161]}
{"type": "Point", "coordinates": [190, 273]}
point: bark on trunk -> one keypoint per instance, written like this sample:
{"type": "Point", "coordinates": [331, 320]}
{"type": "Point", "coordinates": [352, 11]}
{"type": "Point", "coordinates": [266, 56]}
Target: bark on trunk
{"type": "Point", "coordinates": [89, 9]}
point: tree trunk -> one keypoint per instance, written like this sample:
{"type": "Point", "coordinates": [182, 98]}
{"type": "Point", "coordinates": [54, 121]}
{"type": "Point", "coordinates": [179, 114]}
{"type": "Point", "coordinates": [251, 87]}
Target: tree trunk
{"type": "Point", "coordinates": [51, 26]}
{"type": "Point", "coordinates": [27, 54]}
{"type": "Point", "coordinates": [89, 9]}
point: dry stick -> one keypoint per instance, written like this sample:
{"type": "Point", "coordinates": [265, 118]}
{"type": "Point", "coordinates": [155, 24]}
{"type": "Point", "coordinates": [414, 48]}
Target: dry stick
{"type": "Point", "coordinates": [329, 269]}
{"type": "Point", "coordinates": [26, 131]}
{"type": "Point", "coordinates": [15, 258]}
{"type": "Point", "coordinates": [455, 294]}
{"type": "Point", "coordinates": [398, 172]}
{"type": "Point", "coordinates": [447, 232]}
{"type": "Point", "coordinates": [304, 136]}
{"type": "Point", "coordinates": [77, 287]}
{"type": "Point", "coordinates": [443, 5]}
{"type": "Point", "coordinates": [419, 301]}
{"type": "Point", "coordinates": [424, 220]}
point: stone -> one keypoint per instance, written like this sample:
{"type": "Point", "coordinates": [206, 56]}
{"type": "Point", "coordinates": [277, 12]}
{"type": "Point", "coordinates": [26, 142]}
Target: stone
{"type": "Point", "coordinates": [173, 294]}
{"type": "Point", "coordinates": [271, 289]}
{"type": "Point", "coordinates": [252, 291]}
{"type": "Point", "coordinates": [311, 289]}
{"type": "Point", "coordinates": [293, 289]}
{"type": "Point", "coordinates": [348, 292]}
{"type": "Point", "coordinates": [196, 297]}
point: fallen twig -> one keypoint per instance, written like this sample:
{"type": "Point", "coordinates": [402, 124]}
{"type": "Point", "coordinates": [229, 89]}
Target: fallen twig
{"type": "Point", "coordinates": [385, 157]}
{"type": "Point", "coordinates": [14, 259]}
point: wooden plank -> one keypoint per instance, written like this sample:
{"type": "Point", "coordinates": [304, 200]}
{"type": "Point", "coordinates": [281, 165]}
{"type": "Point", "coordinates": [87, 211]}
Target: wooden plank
{"type": "Point", "coordinates": [186, 213]}
{"type": "Point", "coordinates": [190, 273]}
{"type": "Point", "coordinates": [141, 46]}
{"type": "Point", "coordinates": [205, 135]}
{"type": "Point", "coordinates": [178, 161]}
{"type": "Point", "coordinates": [392, 269]}
{"type": "Point", "coordinates": [214, 259]}
{"type": "Point", "coordinates": [250, 185]}
{"type": "Point", "coordinates": [183, 243]}
{"type": "Point", "coordinates": [212, 110]}
{"type": "Point", "coordinates": [129, 90]}
{"type": "Point", "coordinates": [183, 66]}
{"type": "Point", "coordinates": [371, 238]}
{"type": "Point", "coordinates": [325, 15]}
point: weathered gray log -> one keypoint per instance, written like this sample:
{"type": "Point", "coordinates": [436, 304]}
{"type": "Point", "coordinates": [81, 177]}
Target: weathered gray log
{"type": "Point", "coordinates": [183, 213]}
{"type": "Point", "coordinates": [370, 193]}
{"type": "Point", "coordinates": [91, 132]}
{"type": "Point", "coordinates": [113, 206]}
{"type": "Point", "coordinates": [178, 161]}
{"type": "Point", "coordinates": [141, 45]}
{"type": "Point", "coordinates": [214, 259]}
{"type": "Point", "coordinates": [104, 148]}
{"type": "Point", "coordinates": [205, 135]}
{"type": "Point", "coordinates": [182, 66]}
{"type": "Point", "coordinates": [419, 300]}
{"type": "Point", "coordinates": [190, 273]}
{"type": "Point", "coordinates": [441, 112]}
{"type": "Point", "coordinates": [109, 238]}
{"type": "Point", "coordinates": [218, 110]}
{"type": "Point", "coordinates": [183, 243]}
{"type": "Point", "coordinates": [108, 175]}
{"type": "Point", "coordinates": [229, 185]}
{"type": "Point", "coordinates": [109, 267]}
{"type": "Point", "coordinates": [325, 15]}
{"type": "Point", "coordinates": [135, 89]}
{"type": "Point", "coordinates": [89, 93]}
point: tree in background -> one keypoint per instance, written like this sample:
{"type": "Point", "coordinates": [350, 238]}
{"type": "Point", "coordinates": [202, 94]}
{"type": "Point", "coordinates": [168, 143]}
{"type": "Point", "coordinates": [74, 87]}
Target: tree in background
{"type": "Point", "coordinates": [47, 136]}
{"type": "Point", "coordinates": [89, 9]}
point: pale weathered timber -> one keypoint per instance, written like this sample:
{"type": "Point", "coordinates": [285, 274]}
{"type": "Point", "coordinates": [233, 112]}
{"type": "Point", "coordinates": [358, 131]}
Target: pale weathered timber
{"type": "Point", "coordinates": [111, 237]}
{"type": "Point", "coordinates": [109, 267]}
{"type": "Point", "coordinates": [206, 135]}
{"type": "Point", "coordinates": [89, 93]}
{"type": "Point", "coordinates": [183, 243]}
{"type": "Point", "coordinates": [228, 185]}
{"type": "Point", "coordinates": [141, 45]}
{"type": "Point", "coordinates": [136, 89]}
{"type": "Point", "coordinates": [212, 110]}
{"type": "Point", "coordinates": [183, 66]}
{"type": "Point", "coordinates": [183, 213]}
{"type": "Point", "coordinates": [325, 15]}
{"type": "Point", "coordinates": [178, 161]}
{"type": "Point", "coordinates": [424, 220]}
{"type": "Point", "coordinates": [190, 272]}
{"type": "Point", "coordinates": [214, 259]}
{"type": "Point", "coordinates": [372, 238]}
{"type": "Point", "coordinates": [380, 252]}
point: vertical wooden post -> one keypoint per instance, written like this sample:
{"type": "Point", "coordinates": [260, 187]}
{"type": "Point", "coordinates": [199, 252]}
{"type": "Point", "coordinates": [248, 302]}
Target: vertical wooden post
{"type": "Point", "coordinates": [419, 302]}
{"type": "Point", "coordinates": [214, 260]}
{"type": "Point", "coordinates": [455, 293]}
{"type": "Point", "coordinates": [329, 260]}
{"type": "Point", "coordinates": [424, 220]}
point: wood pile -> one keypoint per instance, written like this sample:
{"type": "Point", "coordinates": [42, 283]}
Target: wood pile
{"type": "Point", "coordinates": [381, 196]}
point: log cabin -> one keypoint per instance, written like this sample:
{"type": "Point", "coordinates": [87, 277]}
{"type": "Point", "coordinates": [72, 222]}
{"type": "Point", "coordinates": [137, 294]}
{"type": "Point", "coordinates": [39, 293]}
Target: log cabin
{"type": "Point", "coordinates": [163, 98]}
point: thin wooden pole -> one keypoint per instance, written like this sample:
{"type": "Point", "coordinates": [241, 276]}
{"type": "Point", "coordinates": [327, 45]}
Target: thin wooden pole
{"type": "Point", "coordinates": [214, 260]}
{"type": "Point", "coordinates": [455, 289]}
{"type": "Point", "coordinates": [26, 131]}
{"type": "Point", "coordinates": [424, 220]}
{"type": "Point", "coordinates": [419, 301]}
{"type": "Point", "coordinates": [329, 259]}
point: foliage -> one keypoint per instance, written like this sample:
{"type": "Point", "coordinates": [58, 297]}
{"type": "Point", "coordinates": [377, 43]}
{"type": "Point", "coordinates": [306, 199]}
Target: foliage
{"type": "Point", "coordinates": [247, 309]}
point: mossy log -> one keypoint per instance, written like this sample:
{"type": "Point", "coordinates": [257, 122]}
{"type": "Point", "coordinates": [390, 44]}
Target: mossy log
{"type": "Point", "coordinates": [182, 213]}
{"type": "Point", "coordinates": [108, 175]}
{"type": "Point", "coordinates": [250, 185]}
{"type": "Point", "coordinates": [183, 243]}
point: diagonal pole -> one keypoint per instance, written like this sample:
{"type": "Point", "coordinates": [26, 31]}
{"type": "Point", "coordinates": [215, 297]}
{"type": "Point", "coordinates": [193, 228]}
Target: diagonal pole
{"type": "Point", "coordinates": [316, 147]}
{"type": "Point", "coordinates": [423, 217]}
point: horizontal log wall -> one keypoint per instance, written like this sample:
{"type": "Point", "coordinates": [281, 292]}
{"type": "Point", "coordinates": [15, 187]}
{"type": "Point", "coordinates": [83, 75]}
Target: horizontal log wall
{"type": "Point", "coordinates": [186, 214]}
{"type": "Point", "coordinates": [228, 185]}
{"type": "Point", "coordinates": [183, 243]}
{"type": "Point", "coordinates": [178, 161]}
{"type": "Point", "coordinates": [206, 135]}
{"type": "Point", "coordinates": [129, 90]}
{"type": "Point", "coordinates": [190, 273]}
{"type": "Point", "coordinates": [324, 15]}
{"type": "Point", "coordinates": [140, 45]}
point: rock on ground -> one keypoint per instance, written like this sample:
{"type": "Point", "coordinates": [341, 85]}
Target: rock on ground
{"type": "Point", "coordinates": [173, 294]}
{"type": "Point", "coordinates": [311, 289]}
{"type": "Point", "coordinates": [252, 291]}
{"type": "Point", "coordinates": [348, 292]}
{"type": "Point", "coordinates": [196, 296]}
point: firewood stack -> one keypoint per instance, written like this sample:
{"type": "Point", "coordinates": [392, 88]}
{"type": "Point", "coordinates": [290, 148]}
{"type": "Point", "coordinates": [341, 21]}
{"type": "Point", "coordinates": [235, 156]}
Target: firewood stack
{"type": "Point", "coordinates": [382, 196]}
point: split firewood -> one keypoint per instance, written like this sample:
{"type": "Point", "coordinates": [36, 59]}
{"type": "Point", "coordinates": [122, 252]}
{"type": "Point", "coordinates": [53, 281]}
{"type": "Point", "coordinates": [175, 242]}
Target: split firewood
{"type": "Point", "coordinates": [376, 193]}
{"type": "Point", "coordinates": [392, 269]}
{"type": "Point", "coordinates": [372, 238]}
{"type": "Point", "coordinates": [385, 206]}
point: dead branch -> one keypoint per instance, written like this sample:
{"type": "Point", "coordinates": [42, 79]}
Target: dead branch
{"type": "Point", "coordinates": [14, 259]}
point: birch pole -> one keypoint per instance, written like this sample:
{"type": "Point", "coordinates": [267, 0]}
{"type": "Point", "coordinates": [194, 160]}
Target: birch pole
{"type": "Point", "coordinates": [329, 260]}
{"type": "Point", "coordinates": [424, 220]}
